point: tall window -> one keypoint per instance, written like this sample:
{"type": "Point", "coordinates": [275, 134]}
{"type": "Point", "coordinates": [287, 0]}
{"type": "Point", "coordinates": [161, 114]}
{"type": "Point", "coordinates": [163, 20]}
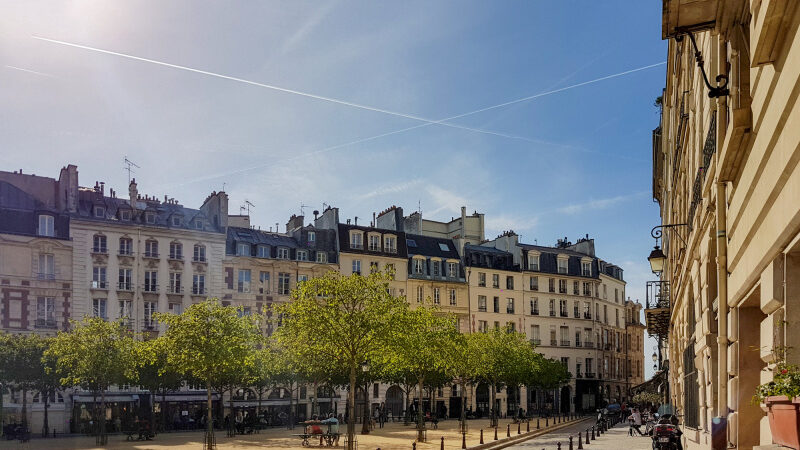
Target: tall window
{"type": "Point", "coordinates": [150, 281]}
{"type": "Point", "coordinates": [419, 266]}
{"type": "Point", "coordinates": [283, 283]}
{"type": "Point", "coordinates": [99, 244]}
{"type": "Point", "coordinates": [199, 253]}
{"type": "Point", "coordinates": [534, 306]}
{"type": "Point", "coordinates": [357, 266]}
{"type": "Point", "coordinates": [46, 312]}
{"type": "Point", "coordinates": [576, 310]}
{"type": "Point", "coordinates": [482, 303]}
{"type": "Point", "coordinates": [576, 288]}
{"type": "Point", "coordinates": [510, 306]}
{"type": "Point", "coordinates": [452, 269]}
{"type": "Point", "coordinates": [356, 240]}
{"type": "Point", "coordinates": [535, 337]}
{"type": "Point", "coordinates": [390, 244]}
{"type": "Point", "coordinates": [552, 307]}
{"type": "Point", "coordinates": [562, 308]}
{"type": "Point", "coordinates": [244, 280]}
{"type": "Point", "coordinates": [124, 309]}
{"type": "Point", "coordinates": [151, 249]}
{"type": "Point", "coordinates": [373, 267]}
{"type": "Point", "coordinates": [312, 237]}
{"type": "Point", "coordinates": [453, 299]}
{"type": "Point", "coordinates": [175, 250]}
{"type": "Point", "coordinates": [586, 269]}
{"type": "Point", "coordinates": [435, 268]}
{"type": "Point", "coordinates": [562, 266]}
{"type": "Point", "coordinates": [125, 279]}
{"type": "Point", "coordinates": [175, 285]}
{"type": "Point", "coordinates": [496, 304]}
{"type": "Point", "coordinates": [125, 246]}
{"type": "Point", "coordinates": [46, 225]}
{"type": "Point", "coordinates": [562, 286]}
{"type": "Point", "coordinates": [47, 266]}
{"type": "Point", "coordinates": [263, 278]}
{"type": "Point", "coordinates": [483, 326]}
{"type": "Point", "coordinates": [551, 284]}
{"type": "Point", "coordinates": [534, 283]}
{"type": "Point", "coordinates": [374, 243]}
{"type": "Point", "coordinates": [533, 262]}
{"type": "Point", "coordinates": [99, 277]}
{"type": "Point", "coordinates": [481, 279]}
{"type": "Point", "coordinates": [149, 309]}
{"type": "Point", "coordinates": [99, 308]}
{"type": "Point", "coordinates": [198, 284]}
{"type": "Point", "coordinates": [509, 282]}
{"type": "Point", "coordinates": [436, 298]}
{"type": "Point", "coordinates": [587, 289]}
{"type": "Point", "coordinates": [577, 337]}
{"type": "Point", "coordinates": [421, 294]}
{"type": "Point", "coordinates": [495, 280]}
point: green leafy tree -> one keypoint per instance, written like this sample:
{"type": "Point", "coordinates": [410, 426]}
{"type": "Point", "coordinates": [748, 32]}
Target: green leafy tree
{"type": "Point", "coordinates": [48, 383]}
{"type": "Point", "coordinates": [464, 358]}
{"type": "Point", "coordinates": [24, 366]}
{"type": "Point", "coordinates": [420, 347]}
{"type": "Point", "coordinates": [211, 343]}
{"type": "Point", "coordinates": [95, 354]}
{"type": "Point", "coordinates": [155, 374]}
{"type": "Point", "coordinates": [347, 319]}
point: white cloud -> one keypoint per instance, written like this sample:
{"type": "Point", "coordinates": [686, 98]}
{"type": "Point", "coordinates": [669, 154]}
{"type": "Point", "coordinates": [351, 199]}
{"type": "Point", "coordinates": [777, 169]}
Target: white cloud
{"type": "Point", "coordinates": [602, 203]}
{"type": "Point", "coordinates": [391, 188]}
{"type": "Point", "coordinates": [444, 200]}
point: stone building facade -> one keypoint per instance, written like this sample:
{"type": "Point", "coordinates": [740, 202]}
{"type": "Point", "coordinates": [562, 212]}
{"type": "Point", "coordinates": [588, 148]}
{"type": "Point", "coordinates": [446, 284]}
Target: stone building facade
{"type": "Point", "coordinates": [727, 180]}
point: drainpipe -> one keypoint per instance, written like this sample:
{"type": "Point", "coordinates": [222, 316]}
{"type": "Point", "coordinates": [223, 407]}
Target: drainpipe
{"type": "Point", "coordinates": [722, 296]}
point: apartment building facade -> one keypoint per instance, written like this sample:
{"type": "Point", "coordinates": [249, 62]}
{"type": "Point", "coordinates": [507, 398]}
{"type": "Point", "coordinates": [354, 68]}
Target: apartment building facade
{"type": "Point", "coordinates": [726, 178]}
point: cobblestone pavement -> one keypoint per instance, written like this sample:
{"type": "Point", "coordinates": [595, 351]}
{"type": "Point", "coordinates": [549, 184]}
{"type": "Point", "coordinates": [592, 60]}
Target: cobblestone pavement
{"type": "Point", "coordinates": [614, 439]}
{"type": "Point", "coordinates": [394, 436]}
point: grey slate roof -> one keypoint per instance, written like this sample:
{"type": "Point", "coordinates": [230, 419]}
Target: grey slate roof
{"type": "Point", "coordinates": [430, 246]}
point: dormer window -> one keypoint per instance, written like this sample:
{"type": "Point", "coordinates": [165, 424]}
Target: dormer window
{"type": "Point", "coordinates": [100, 212]}
{"type": "Point", "coordinates": [419, 266]}
{"type": "Point", "coordinates": [150, 218]}
{"type": "Point", "coordinates": [312, 237]}
{"type": "Point", "coordinates": [198, 224]}
{"type": "Point", "coordinates": [452, 269]}
{"type": "Point", "coordinates": [374, 243]}
{"type": "Point", "coordinates": [562, 265]}
{"type": "Point", "coordinates": [176, 221]}
{"type": "Point", "coordinates": [46, 225]}
{"type": "Point", "coordinates": [533, 262]}
{"type": "Point", "coordinates": [322, 257]}
{"type": "Point", "coordinates": [125, 215]}
{"type": "Point", "coordinates": [263, 251]}
{"type": "Point", "coordinates": [586, 269]}
{"type": "Point", "coordinates": [243, 249]}
{"type": "Point", "coordinates": [356, 240]}
{"type": "Point", "coordinates": [283, 253]}
{"type": "Point", "coordinates": [390, 244]}
{"type": "Point", "coordinates": [302, 255]}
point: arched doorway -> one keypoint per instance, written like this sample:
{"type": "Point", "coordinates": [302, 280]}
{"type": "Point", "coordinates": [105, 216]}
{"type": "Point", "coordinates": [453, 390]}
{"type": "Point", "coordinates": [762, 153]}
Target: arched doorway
{"type": "Point", "coordinates": [394, 401]}
{"type": "Point", "coordinates": [565, 397]}
{"type": "Point", "coordinates": [482, 400]}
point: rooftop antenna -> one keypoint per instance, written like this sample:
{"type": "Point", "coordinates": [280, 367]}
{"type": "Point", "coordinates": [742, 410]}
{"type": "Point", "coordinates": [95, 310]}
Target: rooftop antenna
{"type": "Point", "coordinates": [302, 209]}
{"type": "Point", "coordinates": [223, 186]}
{"type": "Point", "coordinates": [129, 164]}
{"type": "Point", "coordinates": [246, 206]}
{"type": "Point", "coordinates": [419, 206]}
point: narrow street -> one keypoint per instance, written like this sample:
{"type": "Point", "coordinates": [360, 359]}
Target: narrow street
{"type": "Point", "coordinates": [613, 439]}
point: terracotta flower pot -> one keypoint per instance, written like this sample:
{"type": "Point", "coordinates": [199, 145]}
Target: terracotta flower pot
{"type": "Point", "coordinates": [784, 420]}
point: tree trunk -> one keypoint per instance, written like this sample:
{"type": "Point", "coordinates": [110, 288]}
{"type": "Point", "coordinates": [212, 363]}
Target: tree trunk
{"type": "Point", "coordinates": [164, 410]}
{"type": "Point", "coordinates": [493, 406]}
{"type": "Point", "coordinates": [209, 438]}
{"type": "Point", "coordinates": [351, 410]}
{"type": "Point", "coordinates": [291, 406]}
{"type": "Point", "coordinates": [46, 425]}
{"type": "Point", "coordinates": [463, 406]}
{"type": "Point", "coordinates": [24, 410]}
{"type": "Point", "coordinates": [2, 418]}
{"type": "Point", "coordinates": [103, 439]}
{"type": "Point", "coordinates": [232, 416]}
{"type": "Point", "coordinates": [258, 407]}
{"type": "Point", "coordinates": [420, 417]}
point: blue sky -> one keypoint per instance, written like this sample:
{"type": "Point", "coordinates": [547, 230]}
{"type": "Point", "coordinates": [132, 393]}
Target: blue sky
{"type": "Point", "coordinates": [573, 162]}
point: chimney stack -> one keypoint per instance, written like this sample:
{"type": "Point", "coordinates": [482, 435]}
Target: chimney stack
{"type": "Point", "coordinates": [133, 193]}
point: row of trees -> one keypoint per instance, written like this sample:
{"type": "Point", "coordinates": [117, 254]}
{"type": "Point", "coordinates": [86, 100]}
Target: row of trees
{"type": "Point", "coordinates": [336, 331]}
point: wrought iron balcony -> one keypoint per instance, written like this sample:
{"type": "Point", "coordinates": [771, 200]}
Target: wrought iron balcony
{"type": "Point", "coordinates": [657, 308]}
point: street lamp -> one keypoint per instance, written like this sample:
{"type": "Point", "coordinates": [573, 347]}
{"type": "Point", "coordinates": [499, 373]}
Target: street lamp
{"type": "Point", "coordinates": [657, 259]}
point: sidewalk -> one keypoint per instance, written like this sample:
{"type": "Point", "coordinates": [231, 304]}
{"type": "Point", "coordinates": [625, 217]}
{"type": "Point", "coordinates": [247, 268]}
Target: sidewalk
{"type": "Point", "coordinates": [394, 436]}
{"type": "Point", "coordinates": [614, 439]}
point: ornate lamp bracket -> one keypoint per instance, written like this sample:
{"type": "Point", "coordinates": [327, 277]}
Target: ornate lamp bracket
{"type": "Point", "coordinates": [721, 90]}
{"type": "Point", "coordinates": [657, 230]}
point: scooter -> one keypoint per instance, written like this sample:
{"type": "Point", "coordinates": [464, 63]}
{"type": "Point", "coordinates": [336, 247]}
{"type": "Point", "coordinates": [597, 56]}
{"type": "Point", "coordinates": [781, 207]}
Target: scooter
{"type": "Point", "coordinates": [666, 434]}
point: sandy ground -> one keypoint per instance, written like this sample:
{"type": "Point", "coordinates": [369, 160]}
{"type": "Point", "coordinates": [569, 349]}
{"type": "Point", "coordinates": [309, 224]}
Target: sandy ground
{"type": "Point", "coordinates": [394, 436]}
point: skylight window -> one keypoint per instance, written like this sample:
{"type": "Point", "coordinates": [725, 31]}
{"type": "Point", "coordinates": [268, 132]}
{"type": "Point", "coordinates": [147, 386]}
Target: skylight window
{"type": "Point", "coordinates": [444, 247]}
{"type": "Point", "coordinates": [411, 242]}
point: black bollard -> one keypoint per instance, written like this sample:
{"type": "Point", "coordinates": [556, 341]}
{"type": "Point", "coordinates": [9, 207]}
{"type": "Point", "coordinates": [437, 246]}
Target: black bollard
{"type": "Point", "coordinates": [528, 426]}
{"type": "Point", "coordinates": [508, 430]}
{"type": "Point", "coordinates": [558, 446]}
{"type": "Point", "coordinates": [546, 422]}
{"type": "Point", "coordinates": [481, 435]}
{"type": "Point", "coordinates": [442, 447]}
{"type": "Point", "coordinates": [580, 441]}
{"type": "Point", "coordinates": [414, 445]}
{"type": "Point", "coordinates": [570, 443]}
{"type": "Point", "coordinates": [587, 436]}
{"type": "Point", "coordinates": [495, 433]}
{"type": "Point", "coordinates": [519, 427]}
{"type": "Point", "coordinates": [593, 437]}
{"type": "Point", "coordinates": [537, 423]}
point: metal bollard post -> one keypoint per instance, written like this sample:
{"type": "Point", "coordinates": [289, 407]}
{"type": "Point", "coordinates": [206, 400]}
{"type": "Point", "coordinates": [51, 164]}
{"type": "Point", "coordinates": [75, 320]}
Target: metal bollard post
{"type": "Point", "coordinates": [587, 436]}
{"type": "Point", "coordinates": [580, 441]}
{"type": "Point", "coordinates": [481, 435]}
{"type": "Point", "coordinates": [495, 433]}
{"type": "Point", "coordinates": [442, 447]}
{"type": "Point", "coordinates": [537, 423]}
{"type": "Point", "coordinates": [508, 430]}
{"type": "Point", "coordinates": [546, 422]}
{"type": "Point", "coordinates": [463, 440]}
{"type": "Point", "coordinates": [528, 426]}
{"type": "Point", "coordinates": [570, 443]}
{"type": "Point", "coordinates": [593, 438]}
{"type": "Point", "coordinates": [519, 427]}
{"type": "Point", "coordinates": [414, 445]}
{"type": "Point", "coordinates": [558, 446]}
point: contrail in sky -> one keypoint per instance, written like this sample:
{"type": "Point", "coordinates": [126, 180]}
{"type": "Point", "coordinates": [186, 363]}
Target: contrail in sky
{"type": "Point", "coordinates": [403, 130]}
{"type": "Point", "coordinates": [31, 71]}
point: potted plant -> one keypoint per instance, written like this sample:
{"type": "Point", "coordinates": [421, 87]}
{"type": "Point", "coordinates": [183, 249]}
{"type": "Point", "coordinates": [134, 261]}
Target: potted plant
{"type": "Point", "coordinates": [780, 398]}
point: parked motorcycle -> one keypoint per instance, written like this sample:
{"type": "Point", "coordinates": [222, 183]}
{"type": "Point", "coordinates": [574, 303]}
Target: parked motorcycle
{"type": "Point", "coordinates": [667, 434]}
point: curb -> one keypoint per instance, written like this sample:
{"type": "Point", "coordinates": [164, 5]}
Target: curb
{"type": "Point", "coordinates": [509, 441]}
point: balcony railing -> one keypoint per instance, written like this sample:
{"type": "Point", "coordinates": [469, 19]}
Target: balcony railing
{"type": "Point", "coordinates": [175, 289]}
{"type": "Point", "coordinates": [124, 252]}
{"type": "Point", "coordinates": [552, 313]}
{"type": "Point", "coordinates": [150, 288]}
{"type": "Point", "coordinates": [125, 286]}
{"type": "Point", "coordinates": [45, 276]}
{"type": "Point", "coordinates": [46, 323]}
{"type": "Point", "coordinates": [198, 290]}
{"type": "Point", "coordinates": [578, 344]}
{"type": "Point", "coordinates": [587, 315]}
{"type": "Point", "coordinates": [99, 285]}
{"type": "Point", "coordinates": [590, 374]}
{"type": "Point", "coordinates": [536, 341]}
{"type": "Point", "coordinates": [588, 344]}
{"type": "Point", "coordinates": [554, 342]}
{"type": "Point", "coordinates": [535, 312]}
{"type": "Point", "coordinates": [578, 375]}
{"type": "Point", "coordinates": [564, 343]}
{"type": "Point", "coordinates": [199, 259]}
{"type": "Point", "coordinates": [100, 250]}
{"type": "Point", "coordinates": [176, 256]}
{"type": "Point", "coordinates": [563, 314]}
{"type": "Point", "coordinates": [153, 255]}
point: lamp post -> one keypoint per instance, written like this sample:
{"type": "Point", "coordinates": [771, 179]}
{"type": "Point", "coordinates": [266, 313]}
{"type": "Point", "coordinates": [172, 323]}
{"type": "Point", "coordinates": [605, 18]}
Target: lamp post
{"type": "Point", "coordinates": [365, 371]}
